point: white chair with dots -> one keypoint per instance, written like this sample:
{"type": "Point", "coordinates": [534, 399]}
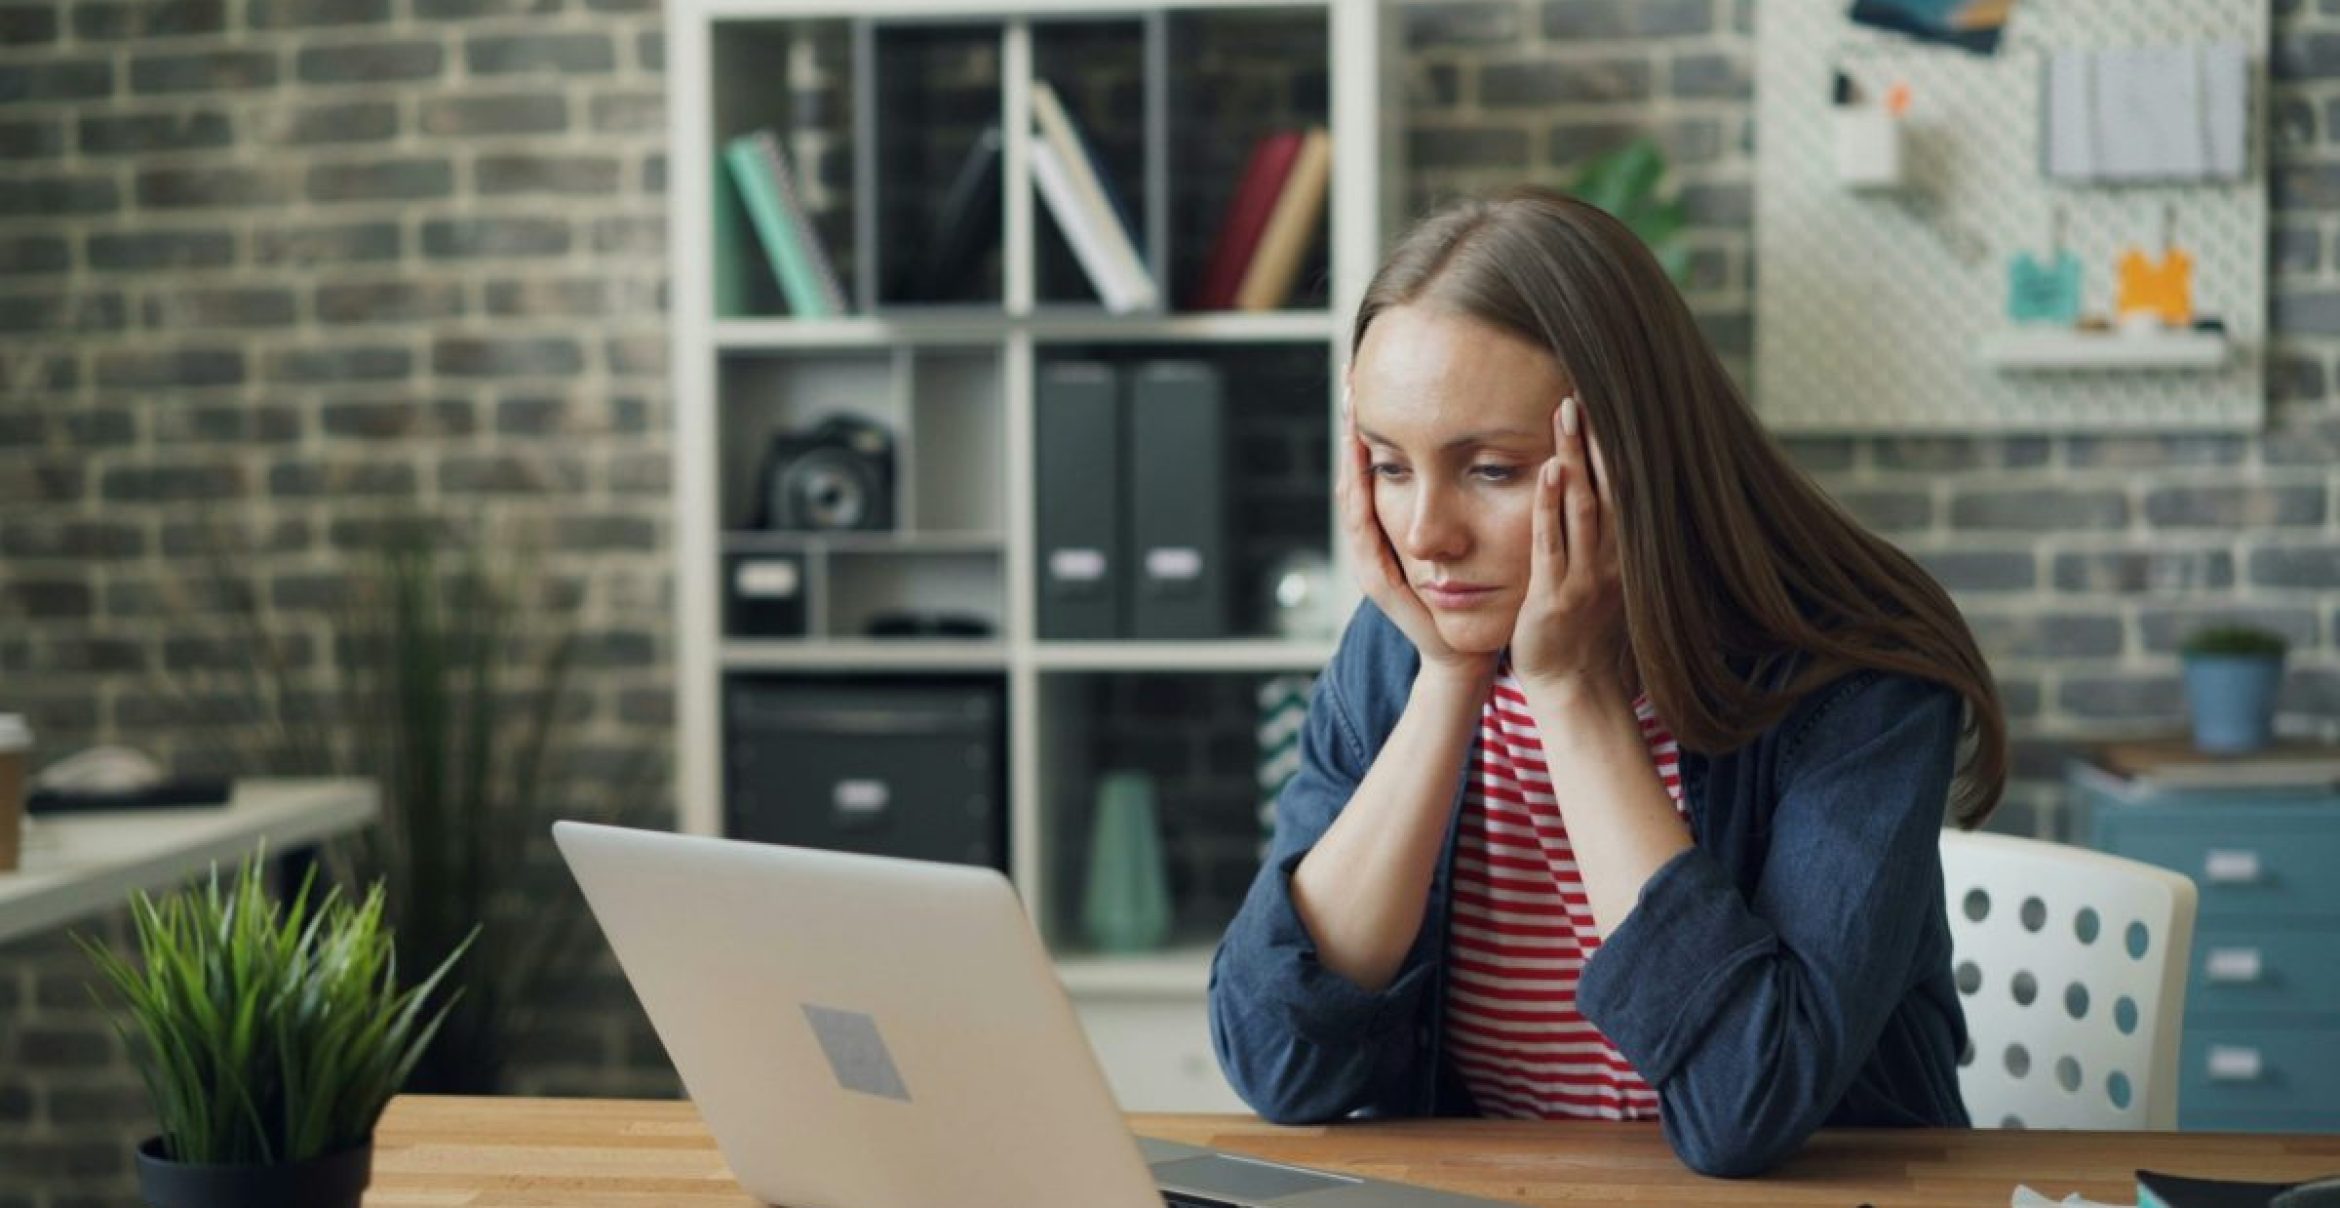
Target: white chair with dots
{"type": "Point", "coordinates": [2071, 965]}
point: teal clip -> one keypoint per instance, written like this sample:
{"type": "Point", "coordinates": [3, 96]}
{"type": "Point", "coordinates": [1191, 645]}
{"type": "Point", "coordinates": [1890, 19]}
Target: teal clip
{"type": "Point", "coordinates": [2044, 293]}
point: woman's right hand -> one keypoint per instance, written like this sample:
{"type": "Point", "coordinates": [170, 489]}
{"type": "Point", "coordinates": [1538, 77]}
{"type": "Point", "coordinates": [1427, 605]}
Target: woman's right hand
{"type": "Point", "coordinates": [1378, 571]}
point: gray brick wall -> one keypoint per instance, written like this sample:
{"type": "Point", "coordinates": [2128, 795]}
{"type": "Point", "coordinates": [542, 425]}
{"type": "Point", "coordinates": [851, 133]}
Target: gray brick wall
{"type": "Point", "coordinates": [280, 265]}
{"type": "Point", "coordinates": [289, 260]}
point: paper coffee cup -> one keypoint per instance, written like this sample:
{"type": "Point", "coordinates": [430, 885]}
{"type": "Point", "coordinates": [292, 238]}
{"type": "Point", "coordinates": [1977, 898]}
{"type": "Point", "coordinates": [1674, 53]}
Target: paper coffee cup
{"type": "Point", "coordinates": [15, 752]}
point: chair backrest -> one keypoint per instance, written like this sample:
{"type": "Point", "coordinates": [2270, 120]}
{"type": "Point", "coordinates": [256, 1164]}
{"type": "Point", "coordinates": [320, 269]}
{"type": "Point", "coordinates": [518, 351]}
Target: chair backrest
{"type": "Point", "coordinates": [2071, 965]}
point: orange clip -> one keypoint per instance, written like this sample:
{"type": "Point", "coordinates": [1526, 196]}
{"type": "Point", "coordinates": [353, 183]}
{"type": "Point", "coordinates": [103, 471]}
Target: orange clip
{"type": "Point", "coordinates": [1897, 98]}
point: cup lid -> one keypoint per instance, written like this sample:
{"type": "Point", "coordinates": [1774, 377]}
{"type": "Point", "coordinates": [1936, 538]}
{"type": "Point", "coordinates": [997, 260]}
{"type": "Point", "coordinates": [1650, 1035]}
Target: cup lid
{"type": "Point", "coordinates": [14, 734]}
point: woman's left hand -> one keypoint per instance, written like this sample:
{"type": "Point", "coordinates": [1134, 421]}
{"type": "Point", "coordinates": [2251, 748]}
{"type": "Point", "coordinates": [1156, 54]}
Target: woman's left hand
{"type": "Point", "coordinates": [1570, 631]}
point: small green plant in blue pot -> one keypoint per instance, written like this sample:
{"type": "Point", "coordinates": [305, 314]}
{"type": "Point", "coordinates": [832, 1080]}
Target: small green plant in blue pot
{"type": "Point", "coordinates": [270, 1036]}
{"type": "Point", "coordinates": [2233, 675]}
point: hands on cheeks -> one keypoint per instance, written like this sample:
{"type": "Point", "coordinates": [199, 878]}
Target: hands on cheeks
{"type": "Point", "coordinates": [1570, 630]}
{"type": "Point", "coordinates": [1378, 571]}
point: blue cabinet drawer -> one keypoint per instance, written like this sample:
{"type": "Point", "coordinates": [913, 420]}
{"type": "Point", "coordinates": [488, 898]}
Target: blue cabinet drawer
{"type": "Point", "coordinates": [2261, 1047]}
{"type": "Point", "coordinates": [2288, 865]}
{"type": "Point", "coordinates": [2231, 1077]}
{"type": "Point", "coordinates": [2264, 971]}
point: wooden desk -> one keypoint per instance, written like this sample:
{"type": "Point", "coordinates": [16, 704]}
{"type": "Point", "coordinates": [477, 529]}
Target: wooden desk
{"type": "Point", "coordinates": [81, 864]}
{"type": "Point", "coordinates": [504, 1153]}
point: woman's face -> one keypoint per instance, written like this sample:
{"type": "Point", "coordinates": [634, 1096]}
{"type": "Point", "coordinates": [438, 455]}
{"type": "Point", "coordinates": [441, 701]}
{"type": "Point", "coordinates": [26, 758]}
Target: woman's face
{"type": "Point", "coordinates": [1457, 418]}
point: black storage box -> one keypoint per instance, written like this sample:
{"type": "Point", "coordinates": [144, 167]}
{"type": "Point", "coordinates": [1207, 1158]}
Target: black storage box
{"type": "Point", "coordinates": [893, 767]}
{"type": "Point", "coordinates": [764, 595]}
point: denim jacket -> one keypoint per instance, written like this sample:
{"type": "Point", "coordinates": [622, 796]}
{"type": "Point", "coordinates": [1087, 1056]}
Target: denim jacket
{"type": "Point", "coordinates": [1791, 970]}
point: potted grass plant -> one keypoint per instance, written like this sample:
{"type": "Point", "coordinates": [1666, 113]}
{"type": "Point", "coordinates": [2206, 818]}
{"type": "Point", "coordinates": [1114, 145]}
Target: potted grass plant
{"type": "Point", "coordinates": [270, 1036]}
{"type": "Point", "coordinates": [2233, 674]}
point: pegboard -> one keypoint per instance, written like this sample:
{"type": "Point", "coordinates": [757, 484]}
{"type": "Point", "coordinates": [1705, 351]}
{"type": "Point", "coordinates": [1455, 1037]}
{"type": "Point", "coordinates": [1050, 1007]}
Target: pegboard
{"type": "Point", "coordinates": [1866, 316]}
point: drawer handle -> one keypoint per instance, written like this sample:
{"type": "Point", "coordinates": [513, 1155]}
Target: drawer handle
{"type": "Point", "coordinates": [2233, 966]}
{"type": "Point", "coordinates": [2233, 1063]}
{"type": "Point", "coordinates": [1076, 565]}
{"type": "Point", "coordinates": [859, 804]}
{"type": "Point", "coordinates": [2229, 866]}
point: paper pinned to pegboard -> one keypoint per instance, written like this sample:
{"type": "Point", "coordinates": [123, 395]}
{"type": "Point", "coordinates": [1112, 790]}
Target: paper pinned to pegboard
{"type": "Point", "coordinates": [1873, 306]}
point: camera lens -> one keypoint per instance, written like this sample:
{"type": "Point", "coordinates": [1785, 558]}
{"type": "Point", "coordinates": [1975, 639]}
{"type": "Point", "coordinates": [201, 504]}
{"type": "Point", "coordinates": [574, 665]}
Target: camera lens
{"type": "Point", "coordinates": [827, 491]}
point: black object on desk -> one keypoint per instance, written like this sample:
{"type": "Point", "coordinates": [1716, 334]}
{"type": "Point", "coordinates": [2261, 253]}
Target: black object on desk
{"type": "Point", "coordinates": [179, 791]}
{"type": "Point", "coordinates": [2173, 1191]}
{"type": "Point", "coordinates": [2315, 1193]}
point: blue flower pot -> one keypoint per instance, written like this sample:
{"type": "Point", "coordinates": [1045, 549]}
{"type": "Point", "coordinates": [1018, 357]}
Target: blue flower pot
{"type": "Point", "coordinates": [2232, 698]}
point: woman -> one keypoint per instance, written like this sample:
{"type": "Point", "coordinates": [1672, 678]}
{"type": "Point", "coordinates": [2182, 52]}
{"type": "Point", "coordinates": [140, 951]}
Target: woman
{"type": "Point", "coordinates": [1622, 794]}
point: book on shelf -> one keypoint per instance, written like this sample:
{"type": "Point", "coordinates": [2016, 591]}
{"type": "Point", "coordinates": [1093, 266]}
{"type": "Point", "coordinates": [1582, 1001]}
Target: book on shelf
{"type": "Point", "coordinates": [1291, 227]}
{"type": "Point", "coordinates": [1264, 170]}
{"type": "Point", "coordinates": [734, 295]}
{"type": "Point", "coordinates": [964, 227]}
{"type": "Point", "coordinates": [1085, 210]}
{"type": "Point", "coordinates": [1080, 230]}
{"type": "Point", "coordinates": [808, 232]}
{"type": "Point", "coordinates": [1049, 101]}
{"type": "Point", "coordinates": [2173, 764]}
{"type": "Point", "coordinates": [767, 189]}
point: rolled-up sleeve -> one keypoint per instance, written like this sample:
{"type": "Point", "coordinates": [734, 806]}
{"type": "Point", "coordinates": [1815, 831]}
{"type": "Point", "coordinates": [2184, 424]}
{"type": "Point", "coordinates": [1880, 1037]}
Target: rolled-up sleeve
{"type": "Point", "coordinates": [1751, 1013]}
{"type": "Point", "coordinates": [1299, 1042]}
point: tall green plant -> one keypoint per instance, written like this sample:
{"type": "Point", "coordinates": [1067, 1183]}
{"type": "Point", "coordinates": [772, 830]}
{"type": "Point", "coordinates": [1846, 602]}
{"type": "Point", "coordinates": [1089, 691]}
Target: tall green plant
{"type": "Point", "coordinates": [1625, 182]}
{"type": "Point", "coordinates": [273, 1033]}
{"type": "Point", "coordinates": [447, 688]}
{"type": "Point", "coordinates": [464, 685]}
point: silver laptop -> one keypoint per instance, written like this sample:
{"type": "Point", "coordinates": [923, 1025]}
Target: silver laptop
{"type": "Point", "coordinates": [864, 1032]}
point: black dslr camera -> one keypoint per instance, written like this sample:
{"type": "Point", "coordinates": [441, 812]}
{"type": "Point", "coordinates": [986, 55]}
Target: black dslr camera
{"type": "Point", "coordinates": [837, 477]}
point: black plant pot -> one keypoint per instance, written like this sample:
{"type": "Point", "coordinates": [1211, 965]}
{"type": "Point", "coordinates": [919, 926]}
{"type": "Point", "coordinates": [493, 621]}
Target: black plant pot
{"type": "Point", "coordinates": [335, 1180]}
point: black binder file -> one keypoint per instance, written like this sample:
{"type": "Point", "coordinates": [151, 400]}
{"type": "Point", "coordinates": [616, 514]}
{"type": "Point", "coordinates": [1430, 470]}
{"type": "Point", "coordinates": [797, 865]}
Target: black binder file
{"type": "Point", "coordinates": [1177, 501]}
{"type": "Point", "coordinates": [1078, 454]}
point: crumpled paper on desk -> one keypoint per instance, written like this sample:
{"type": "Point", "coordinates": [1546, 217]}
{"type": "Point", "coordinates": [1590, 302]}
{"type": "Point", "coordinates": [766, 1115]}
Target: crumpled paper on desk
{"type": "Point", "coordinates": [2025, 1197]}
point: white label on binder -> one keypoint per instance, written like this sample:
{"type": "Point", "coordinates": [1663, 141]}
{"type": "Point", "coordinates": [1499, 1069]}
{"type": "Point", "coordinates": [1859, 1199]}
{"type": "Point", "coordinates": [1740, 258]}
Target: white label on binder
{"type": "Point", "coordinates": [1076, 565]}
{"type": "Point", "coordinates": [766, 580]}
{"type": "Point", "coordinates": [1174, 562]}
{"type": "Point", "coordinates": [2233, 1063]}
{"type": "Point", "coordinates": [2232, 965]}
{"type": "Point", "coordinates": [862, 796]}
{"type": "Point", "coordinates": [2221, 866]}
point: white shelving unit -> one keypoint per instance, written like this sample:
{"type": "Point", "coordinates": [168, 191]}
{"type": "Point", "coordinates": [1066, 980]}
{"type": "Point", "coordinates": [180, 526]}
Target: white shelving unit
{"type": "Point", "coordinates": [961, 378]}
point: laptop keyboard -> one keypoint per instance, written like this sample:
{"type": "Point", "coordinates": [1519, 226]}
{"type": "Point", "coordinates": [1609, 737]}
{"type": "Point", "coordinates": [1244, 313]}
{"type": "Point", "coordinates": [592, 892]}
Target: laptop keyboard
{"type": "Point", "coordinates": [1179, 1199]}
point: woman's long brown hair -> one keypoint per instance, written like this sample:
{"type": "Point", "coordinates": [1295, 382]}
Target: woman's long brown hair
{"type": "Point", "coordinates": [1732, 558]}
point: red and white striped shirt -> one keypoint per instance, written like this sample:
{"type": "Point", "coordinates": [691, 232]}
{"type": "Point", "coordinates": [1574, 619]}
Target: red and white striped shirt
{"type": "Point", "coordinates": [1522, 930]}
